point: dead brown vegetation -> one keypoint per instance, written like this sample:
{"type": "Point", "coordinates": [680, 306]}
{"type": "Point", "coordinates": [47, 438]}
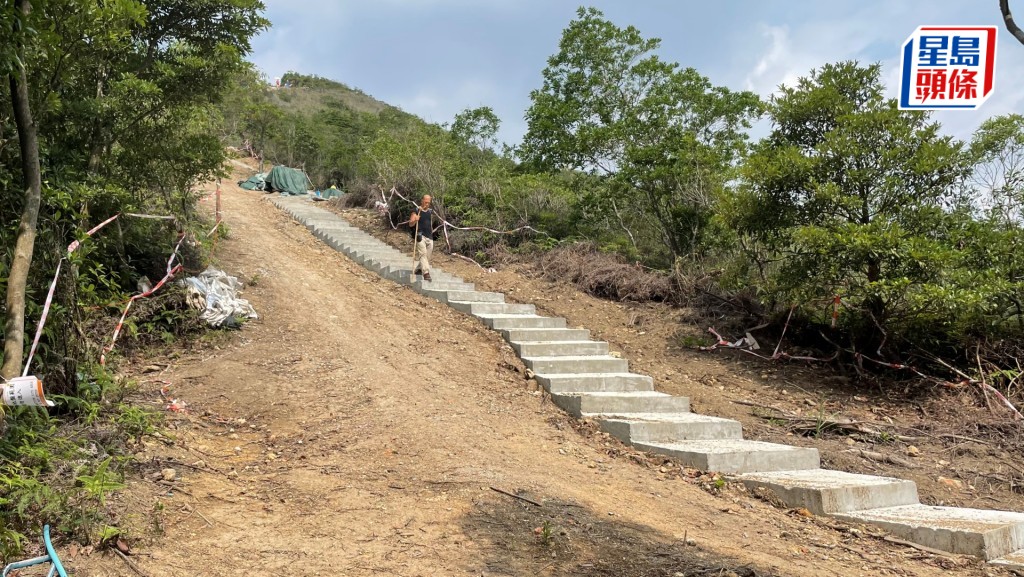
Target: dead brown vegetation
{"type": "Point", "coordinates": [606, 275]}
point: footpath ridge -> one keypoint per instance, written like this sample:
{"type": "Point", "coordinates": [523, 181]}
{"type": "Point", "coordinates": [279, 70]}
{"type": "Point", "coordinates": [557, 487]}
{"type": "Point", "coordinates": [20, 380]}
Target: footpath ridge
{"type": "Point", "coordinates": [586, 381]}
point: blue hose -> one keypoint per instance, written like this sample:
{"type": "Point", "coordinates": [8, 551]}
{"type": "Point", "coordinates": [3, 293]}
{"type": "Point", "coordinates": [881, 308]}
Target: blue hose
{"type": "Point", "coordinates": [50, 557]}
{"type": "Point", "coordinates": [25, 563]}
{"type": "Point", "coordinates": [53, 554]}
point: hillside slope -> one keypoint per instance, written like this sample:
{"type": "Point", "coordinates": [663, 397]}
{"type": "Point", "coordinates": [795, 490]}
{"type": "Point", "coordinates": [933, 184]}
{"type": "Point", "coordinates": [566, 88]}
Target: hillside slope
{"type": "Point", "coordinates": [396, 418]}
{"type": "Point", "coordinates": [313, 123]}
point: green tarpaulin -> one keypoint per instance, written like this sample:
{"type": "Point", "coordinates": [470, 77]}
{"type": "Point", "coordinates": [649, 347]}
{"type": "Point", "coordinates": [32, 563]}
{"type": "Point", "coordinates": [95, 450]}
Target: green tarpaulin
{"type": "Point", "coordinates": [288, 180]}
{"type": "Point", "coordinates": [331, 192]}
{"type": "Point", "coordinates": [255, 182]}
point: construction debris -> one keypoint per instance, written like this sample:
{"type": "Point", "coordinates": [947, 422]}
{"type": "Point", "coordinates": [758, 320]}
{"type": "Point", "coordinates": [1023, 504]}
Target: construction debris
{"type": "Point", "coordinates": [216, 294]}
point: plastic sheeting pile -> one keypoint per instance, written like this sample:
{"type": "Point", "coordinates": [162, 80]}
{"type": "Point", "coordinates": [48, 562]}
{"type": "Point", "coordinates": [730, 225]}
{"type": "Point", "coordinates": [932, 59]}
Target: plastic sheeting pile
{"type": "Point", "coordinates": [216, 294]}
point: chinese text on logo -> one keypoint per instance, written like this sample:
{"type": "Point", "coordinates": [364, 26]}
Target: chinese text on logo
{"type": "Point", "coordinates": [948, 67]}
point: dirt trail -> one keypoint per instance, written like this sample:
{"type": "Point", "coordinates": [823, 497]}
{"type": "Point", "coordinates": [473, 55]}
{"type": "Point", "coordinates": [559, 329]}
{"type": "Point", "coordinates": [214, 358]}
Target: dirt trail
{"type": "Point", "coordinates": [357, 429]}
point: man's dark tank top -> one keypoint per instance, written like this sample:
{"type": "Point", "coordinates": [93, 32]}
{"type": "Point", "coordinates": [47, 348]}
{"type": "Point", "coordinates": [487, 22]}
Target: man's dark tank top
{"type": "Point", "coordinates": [425, 225]}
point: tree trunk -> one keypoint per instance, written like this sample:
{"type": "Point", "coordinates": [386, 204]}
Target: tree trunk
{"type": "Point", "coordinates": [872, 337]}
{"type": "Point", "coordinates": [14, 329]}
{"type": "Point", "coordinates": [1004, 7]}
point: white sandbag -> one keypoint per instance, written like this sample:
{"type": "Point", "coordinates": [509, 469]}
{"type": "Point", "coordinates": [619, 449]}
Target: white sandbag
{"type": "Point", "coordinates": [216, 294]}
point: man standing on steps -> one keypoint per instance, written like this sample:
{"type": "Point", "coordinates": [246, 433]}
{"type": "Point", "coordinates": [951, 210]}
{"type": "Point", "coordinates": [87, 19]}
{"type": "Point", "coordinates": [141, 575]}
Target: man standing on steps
{"type": "Point", "coordinates": [423, 220]}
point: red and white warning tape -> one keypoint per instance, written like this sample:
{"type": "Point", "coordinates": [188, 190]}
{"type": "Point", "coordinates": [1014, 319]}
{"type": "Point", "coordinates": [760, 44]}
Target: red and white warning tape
{"type": "Point", "coordinates": [53, 285]}
{"type": "Point", "coordinates": [172, 270]}
{"type": "Point", "coordinates": [746, 345]}
{"type": "Point", "coordinates": [42, 319]}
{"type": "Point", "coordinates": [75, 244]}
{"type": "Point", "coordinates": [71, 249]}
{"type": "Point", "coordinates": [150, 216]}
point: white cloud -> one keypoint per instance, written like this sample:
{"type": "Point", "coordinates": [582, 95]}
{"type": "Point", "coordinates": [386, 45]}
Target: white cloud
{"type": "Point", "coordinates": [777, 56]}
{"type": "Point", "coordinates": [292, 43]}
{"type": "Point", "coordinates": [440, 104]}
{"type": "Point", "coordinates": [874, 34]}
{"type": "Point", "coordinates": [793, 51]}
{"type": "Point", "coordinates": [424, 103]}
{"type": "Point", "coordinates": [437, 57]}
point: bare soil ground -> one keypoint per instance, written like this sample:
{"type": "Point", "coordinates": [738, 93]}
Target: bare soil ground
{"type": "Point", "coordinates": [358, 428]}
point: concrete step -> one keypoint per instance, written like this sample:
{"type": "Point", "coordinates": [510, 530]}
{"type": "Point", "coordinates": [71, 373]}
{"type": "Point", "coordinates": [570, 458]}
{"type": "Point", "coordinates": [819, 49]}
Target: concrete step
{"type": "Point", "coordinates": [332, 242]}
{"type": "Point", "coordinates": [492, 308]}
{"type": "Point", "coordinates": [1013, 561]}
{"type": "Point", "coordinates": [392, 264]}
{"type": "Point", "coordinates": [465, 296]}
{"type": "Point", "coordinates": [383, 258]}
{"type": "Point", "coordinates": [334, 232]}
{"type": "Point", "coordinates": [350, 247]}
{"type": "Point", "coordinates": [735, 456]}
{"type": "Point", "coordinates": [398, 275]}
{"type": "Point", "coordinates": [595, 383]}
{"type": "Point", "coordinates": [671, 427]}
{"type": "Point", "coordinates": [576, 364]}
{"type": "Point", "coordinates": [366, 259]}
{"type": "Point", "coordinates": [340, 229]}
{"type": "Point", "coordinates": [364, 246]}
{"type": "Point", "coordinates": [825, 492]}
{"type": "Point", "coordinates": [313, 215]}
{"type": "Point", "coordinates": [985, 534]}
{"type": "Point", "coordinates": [342, 232]}
{"type": "Point", "coordinates": [559, 348]}
{"type": "Point", "coordinates": [547, 335]}
{"type": "Point", "coordinates": [503, 322]}
{"type": "Point", "coordinates": [403, 274]}
{"type": "Point", "coordinates": [315, 224]}
{"type": "Point", "coordinates": [624, 403]}
{"type": "Point", "coordinates": [337, 226]}
{"type": "Point", "coordinates": [387, 266]}
{"type": "Point", "coordinates": [438, 285]}
{"type": "Point", "coordinates": [402, 265]}
{"type": "Point", "coordinates": [376, 252]}
{"type": "Point", "coordinates": [360, 240]}
{"type": "Point", "coordinates": [357, 250]}
{"type": "Point", "coordinates": [378, 266]}
{"type": "Point", "coordinates": [319, 219]}
{"type": "Point", "coordinates": [316, 221]}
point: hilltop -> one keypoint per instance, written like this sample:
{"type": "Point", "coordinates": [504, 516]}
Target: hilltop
{"type": "Point", "coordinates": [317, 124]}
{"type": "Point", "coordinates": [309, 94]}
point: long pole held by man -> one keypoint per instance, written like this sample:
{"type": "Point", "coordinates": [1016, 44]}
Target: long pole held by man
{"type": "Point", "coordinates": [422, 221]}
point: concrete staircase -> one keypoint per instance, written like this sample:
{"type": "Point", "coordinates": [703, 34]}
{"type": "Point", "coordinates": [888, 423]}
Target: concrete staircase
{"type": "Point", "coordinates": [585, 381]}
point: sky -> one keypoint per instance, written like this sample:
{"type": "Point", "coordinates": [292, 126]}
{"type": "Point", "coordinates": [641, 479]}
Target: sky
{"type": "Point", "coordinates": [435, 58]}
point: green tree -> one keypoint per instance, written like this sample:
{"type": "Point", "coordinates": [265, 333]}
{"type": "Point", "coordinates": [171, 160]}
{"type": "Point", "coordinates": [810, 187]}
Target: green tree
{"type": "Point", "coordinates": [663, 140]}
{"type": "Point", "coordinates": [998, 152]}
{"type": "Point", "coordinates": [850, 196]}
{"type": "Point", "coordinates": [477, 127]}
{"type": "Point", "coordinates": [418, 160]}
{"type": "Point", "coordinates": [119, 95]}
{"type": "Point", "coordinates": [14, 327]}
